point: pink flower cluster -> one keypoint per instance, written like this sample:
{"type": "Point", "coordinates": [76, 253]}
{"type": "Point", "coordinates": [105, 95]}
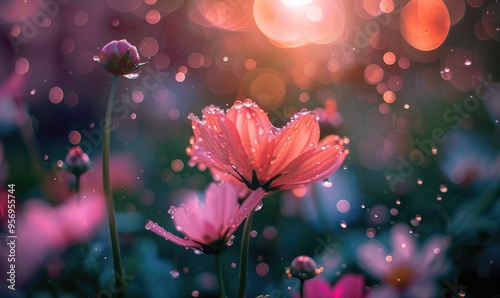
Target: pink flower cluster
{"type": "Point", "coordinates": [244, 151]}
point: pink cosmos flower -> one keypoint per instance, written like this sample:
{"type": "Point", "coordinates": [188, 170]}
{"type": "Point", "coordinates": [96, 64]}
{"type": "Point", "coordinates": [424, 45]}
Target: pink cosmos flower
{"type": "Point", "coordinates": [242, 145]}
{"type": "Point", "coordinates": [46, 231]}
{"type": "Point", "coordinates": [209, 227]}
{"type": "Point", "coordinates": [406, 271]}
{"type": "Point", "coordinates": [350, 285]}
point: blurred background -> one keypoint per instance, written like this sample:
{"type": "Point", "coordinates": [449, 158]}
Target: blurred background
{"type": "Point", "coordinates": [412, 84]}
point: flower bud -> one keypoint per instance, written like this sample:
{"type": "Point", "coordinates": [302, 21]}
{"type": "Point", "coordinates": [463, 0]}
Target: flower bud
{"type": "Point", "coordinates": [303, 267]}
{"type": "Point", "coordinates": [119, 57]}
{"type": "Point", "coordinates": [77, 162]}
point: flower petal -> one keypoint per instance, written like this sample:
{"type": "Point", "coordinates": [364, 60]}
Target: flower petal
{"type": "Point", "coordinates": [403, 244]}
{"type": "Point", "coordinates": [169, 236]}
{"type": "Point", "coordinates": [220, 205]}
{"type": "Point", "coordinates": [255, 131]}
{"type": "Point", "coordinates": [349, 286]}
{"type": "Point", "coordinates": [298, 136]}
{"type": "Point", "coordinates": [313, 165]}
{"type": "Point", "coordinates": [317, 287]}
{"type": "Point", "coordinates": [249, 204]}
{"type": "Point", "coordinates": [218, 136]}
{"type": "Point", "coordinates": [373, 261]}
{"type": "Point", "coordinates": [189, 219]}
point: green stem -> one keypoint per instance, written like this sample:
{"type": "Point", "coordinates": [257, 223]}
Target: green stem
{"type": "Point", "coordinates": [301, 289]}
{"type": "Point", "coordinates": [110, 206]}
{"type": "Point", "coordinates": [220, 275]}
{"type": "Point", "coordinates": [244, 255]}
{"type": "Point", "coordinates": [77, 187]}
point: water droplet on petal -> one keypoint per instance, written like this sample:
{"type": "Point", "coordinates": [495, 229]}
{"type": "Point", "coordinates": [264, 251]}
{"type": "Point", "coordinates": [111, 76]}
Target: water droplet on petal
{"type": "Point", "coordinates": [247, 103]}
{"type": "Point", "coordinates": [238, 104]}
{"type": "Point", "coordinates": [96, 58]}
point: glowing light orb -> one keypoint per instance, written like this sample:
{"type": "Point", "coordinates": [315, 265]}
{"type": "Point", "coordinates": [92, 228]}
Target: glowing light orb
{"type": "Point", "coordinates": [291, 24]}
{"type": "Point", "coordinates": [425, 24]}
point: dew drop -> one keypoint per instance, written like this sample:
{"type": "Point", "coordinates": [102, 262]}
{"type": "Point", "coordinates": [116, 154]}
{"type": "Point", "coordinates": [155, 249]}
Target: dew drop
{"type": "Point", "coordinates": [259, 206]}
{"type": "Point", "coordinates": [461, 293]}
{"type": "Point", "coordinates": [343, 224]}
{"type": "Point", "coordinates": [96, 58]}
{"type": "Point", "coordinates": [247, 103]}
{"type": "Point", "coordinates": [33, 91]}
{"type": "Point", "coordinates": [327, 183]}
{"type": "Point", "coordinates": [419, 181]}
{"type": "Point", "coordinates": [45, 157]}
{"type": "Point", "coordinates": [230, 240]}
{"type": "Point", "coordinates": [467, 62]}
{"type": "Point", "coordinates": [443, 188]}
{"type": "Point", "coordinates": [131, 76]}
{"type": "Point", "coordinates": [434, 150]}
{"type": "Point", "coordinates": [439, 198]}
{"type": "Point", "coordinates": [197, 251]}
{"type": "Point", "coordinates": [174, 273]}
{"type": "Point", "coordinates": [238, 104]}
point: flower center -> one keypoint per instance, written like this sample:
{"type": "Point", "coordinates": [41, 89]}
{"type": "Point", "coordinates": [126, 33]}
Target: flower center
{"type": "Point", "coordinates": [400, 276]}
{"type": "Point", "coordinates": [255, 183]}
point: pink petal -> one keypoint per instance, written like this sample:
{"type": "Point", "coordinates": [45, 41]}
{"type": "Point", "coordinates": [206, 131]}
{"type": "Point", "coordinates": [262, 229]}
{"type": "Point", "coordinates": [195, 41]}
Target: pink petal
{"type": "Point", "coordinates": [221, 142]}
{"type": "Point", "coordinates": [317, 287]}
{"type": "Point", "coordinates": [155, 228]}
{"type": "Point", "coordinates": [220, 205]}
{"type": "Point", "coordinates": [300, 135]}
{"type": "Point", "coordinates": [349, 286]}
{"type": "Point", "coordinates": [189, 219]}
{"type": "Point", "coordinates": [314, 165]}
{"type": "Point", "coordinates": [371, 260]}
{"type": "Point", "coordinates": [249, 204]}
{"type": "Point", "coordinates": [255, 131]}
{"type": "Point", "coordinates": [432, 259]}
{"type": "Point", "coordinates": [403, 244]}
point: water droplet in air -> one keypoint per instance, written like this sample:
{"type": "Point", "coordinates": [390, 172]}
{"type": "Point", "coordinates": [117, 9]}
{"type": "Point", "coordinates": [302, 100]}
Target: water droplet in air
{"type": "Point", "coordinates": [230, 241]}
{"type": "Point", "coordinates": [33, 91]}
{"type": "Point", "coordinates": [443, 188]}
{"type": "Point", "coordinates": [174, 273]}
{"type": "Point", "coordinates": [327, 183]}
{"type": "Point", "coordinates": [131, 76]}
{"type": "Point", "coordinates": [96, 58]}
{"type": "Point", "coordinates": [343, 224]}
{"type": "Point", "coordinates": [197, 251]}
{"type": "Point", "coordinates": [259, 206]}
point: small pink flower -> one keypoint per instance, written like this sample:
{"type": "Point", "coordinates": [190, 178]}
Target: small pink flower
{"type": "Point", "coordinates": [350, 285]}
{"type": "Point", "coordinates": [209, 227]}
{"type": "Point", "coordinates": [119, 57]}
{"type": "Point", "coordinates": [405, 271]}
{"type": "Point", "coordinates": [242, 145]}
